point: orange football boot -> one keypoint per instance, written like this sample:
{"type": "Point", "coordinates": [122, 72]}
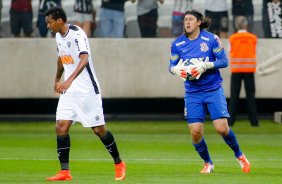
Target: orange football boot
{"type": "Point", "coordinates": [244, 163]}
{"type": "Point", "coordinates": [62, 175]}
{"type": "Point", "coordinates": [120, 171]}
{"type": "Point", "coordinates": [208, 168]}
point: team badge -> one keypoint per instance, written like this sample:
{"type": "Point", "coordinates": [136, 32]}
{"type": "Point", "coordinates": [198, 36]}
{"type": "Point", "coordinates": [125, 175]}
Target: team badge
{"type": "Point", "coordinates": [204, 47]}
{"type": "Point", "coordinates": [69, 44]}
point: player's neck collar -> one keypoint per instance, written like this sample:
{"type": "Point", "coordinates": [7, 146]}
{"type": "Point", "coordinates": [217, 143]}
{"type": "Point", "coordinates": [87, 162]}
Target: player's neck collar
{"type": "Point", "coordinates": [67, 26]}
{"type": "Point", "coordinates": [194, 36]}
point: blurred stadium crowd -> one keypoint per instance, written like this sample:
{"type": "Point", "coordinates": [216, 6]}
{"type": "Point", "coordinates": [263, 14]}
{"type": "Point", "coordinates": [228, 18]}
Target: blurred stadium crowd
{"type": "Point", "coordinates": [265, 15]}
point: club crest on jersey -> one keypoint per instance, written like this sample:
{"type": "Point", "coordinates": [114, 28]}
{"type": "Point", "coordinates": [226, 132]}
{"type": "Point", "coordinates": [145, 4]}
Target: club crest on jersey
{"type": "Point", "coordinates": [69, 44]}
{"type": "Point", "coordinates": [204, 47]}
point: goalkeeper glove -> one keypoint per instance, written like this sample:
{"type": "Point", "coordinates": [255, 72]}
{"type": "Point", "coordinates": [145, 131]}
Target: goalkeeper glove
{"type": "Point", "coordinates": [201, 68]}
{"type": "Point", "coordinates": [178, 69]}
{"type": "Point", "coordinates": [186, 72]}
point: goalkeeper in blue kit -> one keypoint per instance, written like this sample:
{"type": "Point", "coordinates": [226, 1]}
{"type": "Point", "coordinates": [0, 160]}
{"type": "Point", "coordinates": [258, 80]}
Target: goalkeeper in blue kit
{"type": "Point", "coordinates": [196, 58]}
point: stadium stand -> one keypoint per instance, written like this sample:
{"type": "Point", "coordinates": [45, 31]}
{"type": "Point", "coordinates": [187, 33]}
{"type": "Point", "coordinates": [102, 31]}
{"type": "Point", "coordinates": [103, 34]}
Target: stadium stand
{"type": "Point", "coordinates": [164, 21]}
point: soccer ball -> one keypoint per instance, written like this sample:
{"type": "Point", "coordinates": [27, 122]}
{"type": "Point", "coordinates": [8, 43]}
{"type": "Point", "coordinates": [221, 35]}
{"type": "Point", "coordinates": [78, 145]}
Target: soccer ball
{"type": "Point", "coordinates": [188, 65]}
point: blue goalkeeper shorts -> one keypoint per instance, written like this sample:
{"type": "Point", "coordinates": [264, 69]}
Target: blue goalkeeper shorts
{"type": "Point", "coordinates": [199, 103]}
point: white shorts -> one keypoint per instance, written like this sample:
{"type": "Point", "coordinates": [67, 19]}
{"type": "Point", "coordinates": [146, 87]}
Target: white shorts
{"type": "Point", "coordinates": [87, 110]}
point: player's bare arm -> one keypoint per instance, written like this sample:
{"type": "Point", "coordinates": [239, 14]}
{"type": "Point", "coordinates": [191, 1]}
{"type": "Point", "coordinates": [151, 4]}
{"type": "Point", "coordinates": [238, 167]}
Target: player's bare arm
{"type": "Point", "coordinates": [83, 62]}
{"type": "Point", "coordinates": [60, 70]}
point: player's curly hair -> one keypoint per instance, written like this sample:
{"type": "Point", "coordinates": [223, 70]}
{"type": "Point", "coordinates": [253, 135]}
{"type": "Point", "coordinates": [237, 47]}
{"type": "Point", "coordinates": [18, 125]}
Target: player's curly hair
{"type": "Point", "coordinates": [205, 20]}
{"type": "Point", "coordinates": [56, 13]}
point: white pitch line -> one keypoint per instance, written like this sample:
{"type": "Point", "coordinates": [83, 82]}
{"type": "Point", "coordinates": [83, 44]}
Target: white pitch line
{"type": "Point", "coordinates": [137, 159]}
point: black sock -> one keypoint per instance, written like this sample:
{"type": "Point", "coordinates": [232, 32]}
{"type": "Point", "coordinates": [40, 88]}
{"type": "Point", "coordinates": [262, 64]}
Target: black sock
{"type": "Point", "coordinates": [63, 150]}
{"type": "Point", "coordinates": [109, 141]}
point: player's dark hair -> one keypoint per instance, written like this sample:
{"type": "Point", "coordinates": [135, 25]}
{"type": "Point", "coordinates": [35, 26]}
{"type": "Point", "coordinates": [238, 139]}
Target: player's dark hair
{"type": "Point", "coordinates": [205, 21]}
{"type": "Point", "coordinates": [56, 13]}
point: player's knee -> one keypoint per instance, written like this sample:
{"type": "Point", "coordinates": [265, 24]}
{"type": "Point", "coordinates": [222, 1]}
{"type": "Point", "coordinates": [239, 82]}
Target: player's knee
{"type": "Point", "coordinates": [222, 131]}
{"type": "Point", "coordinates": [99, 131]}
{"type": "Point", "coordinates": [61, 128]}
{"type": "Point", "coordinates": [196, 136]}
{"type": "Point", "coordinates": [221, 126]}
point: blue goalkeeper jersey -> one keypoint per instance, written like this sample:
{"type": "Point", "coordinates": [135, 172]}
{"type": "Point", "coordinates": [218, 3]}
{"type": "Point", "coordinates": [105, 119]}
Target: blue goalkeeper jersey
{"type": "Point", "coordinates": [207, 48]}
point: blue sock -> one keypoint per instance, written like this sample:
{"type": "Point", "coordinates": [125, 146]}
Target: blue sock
{"type": "Point", "coordinates": [231, 141]}
{"type": "Point", "coordinates": [202, 150]}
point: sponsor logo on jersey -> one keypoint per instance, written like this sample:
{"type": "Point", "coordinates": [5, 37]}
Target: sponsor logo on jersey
{"type": "Point", "coordinates": [76, 42]}
{"type": "Point", "coordinates": [218, 41]}
{"type": "Point", "coordinates": [204, 47]}
{"type": "Point", "coordinates": [205, 38]}
{"type": "Point", "coordinates": [205, 59]}
{"type": "Point", "coordinates": [180, 43]}
{"type": "Point", "coordinates": [67, 59]}
{"type": "Point", "coordinates": [85, 41]}
{"type": "Point", "coordinates": [196, 60]}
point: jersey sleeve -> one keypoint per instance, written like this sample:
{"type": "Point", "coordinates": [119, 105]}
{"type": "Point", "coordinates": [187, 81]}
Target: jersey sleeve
{"type": "Point", "coordinates": [174, 57]}
{"type": "Point", "coordinates": [81, 43]}
{"type": "Point", "coordinates": [219, 53]}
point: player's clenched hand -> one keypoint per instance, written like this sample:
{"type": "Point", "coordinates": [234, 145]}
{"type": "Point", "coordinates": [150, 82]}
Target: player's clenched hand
{"type": "Point", "coordinates": [61, 88]}
{"type": "Point", "coordinates": [179, 70]}
{"type": "Point", "coordinates": [200, 68]}
{"type": "Point", "coordinates": [186, 73]}
{"type": "Point", "coordinates": [56, 87]}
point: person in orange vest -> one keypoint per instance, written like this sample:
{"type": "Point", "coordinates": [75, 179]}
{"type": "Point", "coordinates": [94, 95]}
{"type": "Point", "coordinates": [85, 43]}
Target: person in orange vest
{"type": "Point", "coordinates": [243, 67]}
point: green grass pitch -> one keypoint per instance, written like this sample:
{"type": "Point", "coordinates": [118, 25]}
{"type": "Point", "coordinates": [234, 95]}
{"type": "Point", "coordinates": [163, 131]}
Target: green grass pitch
{"type": "Point", "coordinates": [155, 152]}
